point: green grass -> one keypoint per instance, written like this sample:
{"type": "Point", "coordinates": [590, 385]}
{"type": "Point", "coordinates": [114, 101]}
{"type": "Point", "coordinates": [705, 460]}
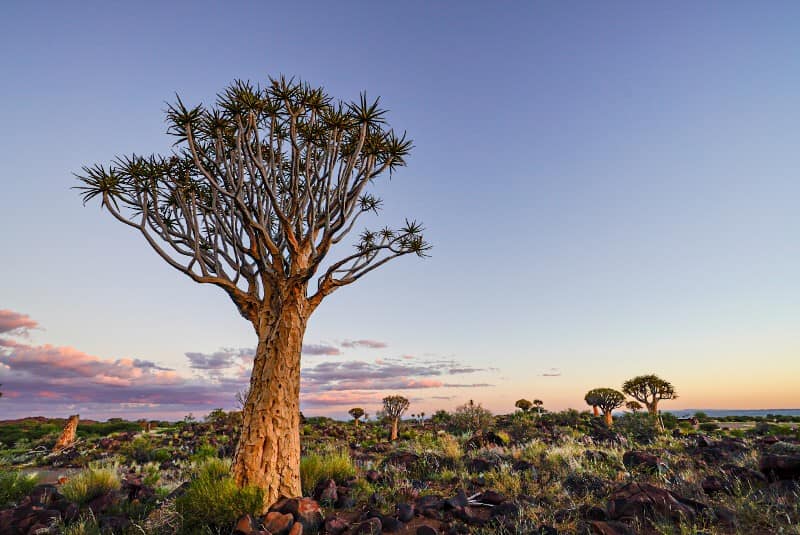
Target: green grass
{"type": "Point", "coordinates": [213, 501]}
{"type": "Point", "coordinates": [91, 483]}
{"type": "Point", "coordinates": [317, 467]}
{"type": "Point", "coordinates": [14, 485]}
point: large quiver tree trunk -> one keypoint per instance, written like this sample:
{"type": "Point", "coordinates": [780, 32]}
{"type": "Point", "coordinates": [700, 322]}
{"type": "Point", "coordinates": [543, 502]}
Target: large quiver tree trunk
{"type": "Point", "coordinates": [268, 452]}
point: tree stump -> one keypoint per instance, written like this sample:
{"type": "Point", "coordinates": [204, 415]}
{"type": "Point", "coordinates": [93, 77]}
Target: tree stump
{"type": "Point", "coordinates": [68, 434]}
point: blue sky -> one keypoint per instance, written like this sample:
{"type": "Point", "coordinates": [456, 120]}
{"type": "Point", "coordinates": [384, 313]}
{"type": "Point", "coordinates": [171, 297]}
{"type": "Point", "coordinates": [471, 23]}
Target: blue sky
{"type": "Point", "coordinates": [611, 189]}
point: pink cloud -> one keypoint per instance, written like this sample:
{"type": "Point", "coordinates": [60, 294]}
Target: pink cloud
{"type": "Point", "coordinates": [369, 344]}
{"type": "Point", "coordinates": [15, 323]}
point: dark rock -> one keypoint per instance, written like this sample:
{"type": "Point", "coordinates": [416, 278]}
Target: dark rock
{"type": "Point", "coordinates": [405, 512]}
{"type": "Point", "coordinates": [370, 526]}
{"type": "Point", "coordinates": [113, 523]}
{"type": "Point", "coordinates": [372, 476]}
{"type": "Point", "coordinates": [402, 458]}
{"type": "Point", "coordinates": [326, 492]}
{"type": "Point", "coordinates": [744, 475]}
{"type": "Point", "coordinates": [642, 459]}
{"type": "Point", "coordinates": [726, 517]}
{"type": "Point", "coordinates": [480, 464]}
{"type": "Point", "coordinates": [505, 509]}
{"type": "Point", "coordinates": [780, 467]}
{"type": "Point", "coordinates": [583, 484]}
{"type": "Point", "coordinates": [102, 503]}
{"type": "Point", "coordinates": [425, 530]}
{"type": "Point", "coordinates": [715, 484]}
{"type": "Point", "coordinates": [598, 527]}
{"type": "Point", "coordinates": [457, 501]}
{"type": "Point", "coordinates": [278, 523]}
{"type": "Point", "coordinates": [245, 525]}
{"type": "Point", "coordinates": [344, 500]}
{"type": "Point", "coordinates": [490, 497]}
{"type": "Point", "coordinates": [335, 525]}
{"type": "Point", "coordinates": [643, 500]}
{"type": "Point", "coordinates": [595, 513]}
{"type": "Point", "coordinates": [468, 515]}
{"type": "Point", "coordinates": [390, 525]}
{"type": "Point", "coordinates": [430, 501]}
{"type": "Point", "coordinates": [523, 466]}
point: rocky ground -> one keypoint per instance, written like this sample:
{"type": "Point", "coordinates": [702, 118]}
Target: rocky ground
{"type": "Point", "coordinates": [521, 474]}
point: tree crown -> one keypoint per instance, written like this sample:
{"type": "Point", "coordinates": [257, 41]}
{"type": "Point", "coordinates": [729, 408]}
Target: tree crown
{"type": "Point", "coordinates": [648, 389]}
{"type": "Point", "coordinates": [356, 412]}
{"type": "Point", "coordinates": [523, 404]}
{"type": "Point", "coordinates": [259, 189]}
{"type": "Point", "coordinates": [607, 399]}
{"type": "Point", "coordinates": [395, 406]}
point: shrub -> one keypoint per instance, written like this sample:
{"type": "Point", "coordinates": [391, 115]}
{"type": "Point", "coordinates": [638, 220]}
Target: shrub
{"type": "Point", "coordinates": [14, 485]}
{"type": "Point", "coordinates": [213, 501]}
{"type": "Point", "coordinates": [470, 418]}
{"type": "Point", "coordinates": [91, 483]}
{"type": "Point", "coordinates": [709, 427]}
{"type": "Point", "coordinates": [317, 467]}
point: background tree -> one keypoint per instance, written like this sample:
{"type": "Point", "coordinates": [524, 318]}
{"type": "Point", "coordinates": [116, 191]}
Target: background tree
{"type": "Point", "coordinates": [471, 418]}
{"type": "Point", "coordinates": [395, 407]}
{"type": "Point", "coordinates": [259, 190]}
{"type": "Point", "coordinates": [523, 404]}
{"type": "Point", "coordinates": [592, 400]}
{"type": "Point", "coordinates": [650, 390]}
{"type": "Point", "coordinates": [607, 399]}
{"type": "Point", "coordinates": [537, 403]}
{"type": "Point", "coordinates": [633, 406]}
{"type": "Point", "coordinates": [356, 413]}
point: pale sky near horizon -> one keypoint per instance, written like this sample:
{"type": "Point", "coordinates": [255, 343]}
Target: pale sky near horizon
{"type": "Point", "coordinates": [611, 189]}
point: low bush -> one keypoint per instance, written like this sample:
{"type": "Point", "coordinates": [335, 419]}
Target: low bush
{"type": "Point", "coordinates": [213, 501]}
{"type": "Point", "coordinates": [317, 467]}
{"type": "Point", "coordinates": [91, 483]}
{"type": "Point", "coordinates": [14, 485]}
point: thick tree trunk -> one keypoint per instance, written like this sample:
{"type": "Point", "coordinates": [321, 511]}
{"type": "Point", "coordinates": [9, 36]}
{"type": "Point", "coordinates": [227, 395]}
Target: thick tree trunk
{"type": "Point", "coordinates": [268, 452]}
{"type": "Point", "coordinates": [652, 408]}
{"type": "Point", "coordinates": [609, 419]}
{"type": "Point", "coordinates": [394, 429]}
{"type": "Point", "coordinates": [356, 421]}
{"type": "Point", "coordinates": [595, 410]}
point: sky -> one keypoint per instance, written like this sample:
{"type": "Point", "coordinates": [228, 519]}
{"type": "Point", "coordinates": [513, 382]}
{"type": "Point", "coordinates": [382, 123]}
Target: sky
{"type": "Point", "coordinates": [610, 189]}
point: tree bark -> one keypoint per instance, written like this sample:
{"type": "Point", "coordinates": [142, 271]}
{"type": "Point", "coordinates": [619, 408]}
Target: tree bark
{"type": "Point", "coordinates": [652, 408]}
{"type": "Point", "coordinates": [268, 452]}
{"type": "Point", "coordinates": [609, 419]}
{"type": "Point", "coordinates": [595, 410]}
{"type": "Point", "coordinates": [394, 429]}
{"type": "Point", "coordinates": [356, 421]}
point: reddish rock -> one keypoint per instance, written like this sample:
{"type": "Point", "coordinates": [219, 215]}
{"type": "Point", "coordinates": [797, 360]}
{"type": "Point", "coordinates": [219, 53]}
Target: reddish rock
{"type": "Point", "coordinates": [335, 525]}
{"type": "Point", "coordinates": [632, 459]}
{"type": "Point", "coordinates": [278, 523]}
{"type": "Point", "coordinates": [780, 467]}
{"type": "Point", "coordinates": [643, 501]}
{"type": "Point", "coordinates": [304, 510]}
{"type": "Point", "coordinates": [599, 527]}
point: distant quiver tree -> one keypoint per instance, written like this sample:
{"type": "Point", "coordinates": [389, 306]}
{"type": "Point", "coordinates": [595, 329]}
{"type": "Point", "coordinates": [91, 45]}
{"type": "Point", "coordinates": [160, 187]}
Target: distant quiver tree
{"type": "Point", "coordinates": [395, 407]}
{"type": "Point", "coordinates": [356, 413]}
{"type": "Point", "coordinates": [607, 399]}
{"type": "Point", "coordinates": [258, 191]}
{"type": "Point", "coordinates": [523, 404]}
{"type": "Point", "coordinates": [650, 390]}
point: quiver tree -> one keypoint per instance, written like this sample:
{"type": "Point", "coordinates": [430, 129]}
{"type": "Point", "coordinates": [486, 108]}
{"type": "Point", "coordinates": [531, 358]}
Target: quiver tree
{"type": "Point", "coordinates": [537, 403]}
{"type": "Point", "coordinates": [649, 390]}
{"type": "Point", "coordinates": [633, 406]}
{"type": "Point", "coordinates": [607, 399]}
{"type": "Point", "coordinates": [258, 191]}
{"type": "Point", "coordinates": [592, 400]}
{"type": "Point", "coordinates": [356, 413]}
{"type": "Point", "coordinates": [523, 404]}
{"type": "Point", "coordinates": [394, 407]}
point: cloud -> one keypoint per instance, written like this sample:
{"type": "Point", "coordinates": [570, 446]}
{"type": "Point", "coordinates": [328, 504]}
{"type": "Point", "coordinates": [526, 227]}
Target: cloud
{"type": "Point", "coordinates": [552, 372]}
{"type": "Point", "coordinates": [219, 360]}
{"type": "Point", "coordinates": [14, 323]}
{"type": "Point", "coordinates": [320, 349]}
{"type": "Point", "coordinates": [370, 344]}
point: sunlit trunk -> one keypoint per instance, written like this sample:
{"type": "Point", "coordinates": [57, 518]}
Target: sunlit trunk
{"type": "Point", "coordinates": [394, 429]}
{"type": "Point", "coordinates": [595, 410]}
{"type": "Point", "coordinates": [609, 419]}
{"type": "Point", "coordinates": [268, 452]}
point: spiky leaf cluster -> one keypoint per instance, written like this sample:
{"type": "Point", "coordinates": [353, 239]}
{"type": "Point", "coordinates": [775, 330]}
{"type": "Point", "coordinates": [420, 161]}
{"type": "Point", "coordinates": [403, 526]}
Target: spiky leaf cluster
{"type": "Point", "coordinates": [259, 187]}
{"type": "Point", "coordinates": [395, 406]}
{"type": "Point", "coordinates": [607, 399]}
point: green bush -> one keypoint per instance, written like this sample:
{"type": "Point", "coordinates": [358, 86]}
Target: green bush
{"type": "Point", "coordinates": [470, 418]}
{"type": "Point", "coordinates": [14, 485]}
{"type": "Point", "coordinates": [214, 502]}
{"type": "Point", "coordinates": [315, 468]}
{"type": "Point", "coordinates": [91, 483]}
{"type": "Point", "coordinates": [709, 427]}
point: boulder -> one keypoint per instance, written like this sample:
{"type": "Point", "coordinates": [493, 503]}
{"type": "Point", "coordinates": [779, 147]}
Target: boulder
{"type": "Point", "coordinates": [304, 511]}
{"type": "Point", "coordinates": [336, 525]}
{"type": "Point", "coordinates": [600, 527]}
{"type": "Point", "coordinates": [642, 459]}
{"type": "Point", "coordinates": [780, 467]}
{"type": "Point", "coordinates": [278, 523]}
{"type": "Point", "coordinates": [645, 501]}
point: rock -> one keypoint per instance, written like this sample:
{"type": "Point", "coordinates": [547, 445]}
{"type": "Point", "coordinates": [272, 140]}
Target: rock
{"type": "Point", "coordinates": [490, 497]}
{"type": "Point", "coordinates": [245, 525]}
{"type": "Point", "coordinates": [113, 523]}
{"type": "Point", "coordinates": [599, 527]}
{"type": "Point", "coordinates": [405, 512]}
{"type": "Point", "coordinates": [278, 523]}
{"type": "Point", "coordinates": [648, 461]}
{"type": "Point", "coordinates": [304, 510]}
{"type": "Point", "coordinates": [390, 525]}
{"type": "Point", "coordinates": [468, 515]}
{"type": "Point", "coordinates": [745, 475]}
{"type": "Point", "coordinates": [343, 500]}
{"type": "Point", "coordinates": [504, 509]}
{"type": "Point", "coordinates": [425, 530]}
{"type": "Point", "coordinates": [326, 492]}
{"type": "Point", "coordinates": [780, 467]}
{"type": "Point", "coordinates": [102, 503]}
{"type": "Point", "coordinates": [480, 464]}
{"type": "Point", "coordinates": [714, 484]}
{"type": "Point", "coordinates": [336, 525]}
{"type": "Point", "coordinates": [371, 526]}
{"type": "Point", "coordinates": [584, 483]}
{"type": "Point", "coordinates": [645, 501]}
{"type": "Point", "coordinates": [372, 476]}
{"type": "Point", "coordinates": [297, 529]}
{"type": "Point", "coordinates": [595, 513]}
{"type": "Point", "coordinates": [726, 517]}
{"type": "Point", "coordinates": [457, 501]}
{"type": "Point", "coordinates": [402, 458]}
{"type": "Point", "coordinates": [68, 434]}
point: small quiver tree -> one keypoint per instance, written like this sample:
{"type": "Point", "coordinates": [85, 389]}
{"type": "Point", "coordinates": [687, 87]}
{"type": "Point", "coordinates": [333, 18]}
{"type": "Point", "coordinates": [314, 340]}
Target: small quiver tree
{"type": "Point", "coordinates": [395, 407]}
{"type": "Point", "coordinates": [607, 399]}
{"type": "Point", "coordinates": [592, 401]}
{"type": "Point", "coordinates": [633, 406]}
{"type": "Point", "coordinates": [257, 193]}
{"type": "Point", "coordinates": [356, 413]}
{"type": "Point", "coordinates": [650, 390]}
{"type": "Point", "coordinates": [523, 404]}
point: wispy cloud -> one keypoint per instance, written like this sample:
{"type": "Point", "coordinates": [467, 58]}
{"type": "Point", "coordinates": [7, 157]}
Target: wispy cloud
{"type": "Point", "coordinates": [320, 349]}
{"type": "Point", "coordinates": [369, 344]}
{"type": "Point", "coordinates": [15, 323]}
{"type": "Point", "coordinates": [552, 372]}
